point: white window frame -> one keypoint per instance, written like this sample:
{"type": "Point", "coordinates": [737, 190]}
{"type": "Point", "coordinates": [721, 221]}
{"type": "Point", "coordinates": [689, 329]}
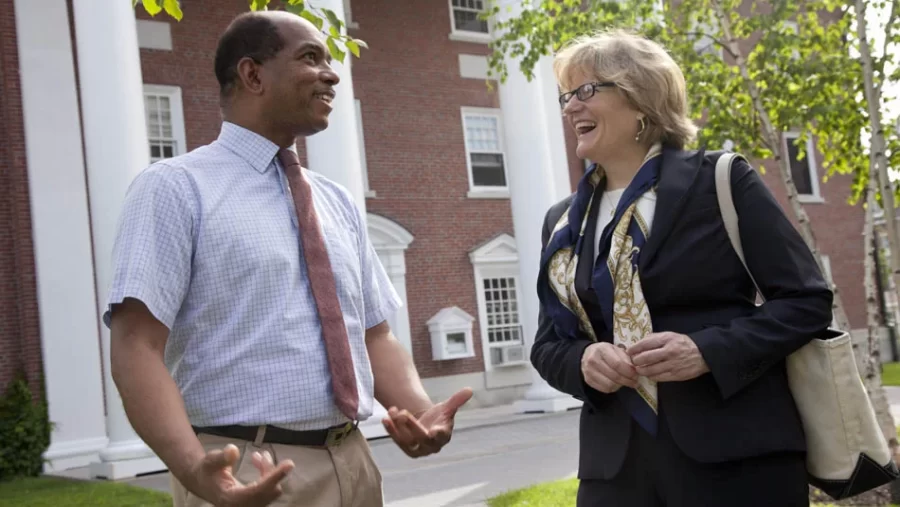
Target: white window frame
{"type": "Point", "coordinates": [496, 259]}
{"type": "Point", "coordinates": [466, 35]}
{"type": "Point", "coordinates": [810, 159]}
{"type": "Point", "coordinates": [173, 93]}
{"type": "Point", "coordinates": [360, 132]}
{"type": "Point", "coordinates": [484, 192]}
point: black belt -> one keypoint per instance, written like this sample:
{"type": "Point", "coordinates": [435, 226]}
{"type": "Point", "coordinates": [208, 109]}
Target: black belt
{"type": "Point", "coordinates": [275, 435]}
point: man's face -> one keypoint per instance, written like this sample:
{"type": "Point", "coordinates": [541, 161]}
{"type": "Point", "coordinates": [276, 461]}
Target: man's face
{"type": "Point", "coordinates": [299, 81]}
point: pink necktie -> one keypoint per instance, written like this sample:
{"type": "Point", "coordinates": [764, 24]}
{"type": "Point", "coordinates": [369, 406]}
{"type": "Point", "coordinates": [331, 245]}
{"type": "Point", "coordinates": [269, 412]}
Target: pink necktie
{"type": "Point", "coordinates": [321, 279]}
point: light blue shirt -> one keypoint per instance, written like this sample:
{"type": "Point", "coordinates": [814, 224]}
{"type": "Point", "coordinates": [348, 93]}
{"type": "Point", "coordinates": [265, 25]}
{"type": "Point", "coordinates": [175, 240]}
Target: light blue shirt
{"type": "Point", "coordinates": [209, 242]}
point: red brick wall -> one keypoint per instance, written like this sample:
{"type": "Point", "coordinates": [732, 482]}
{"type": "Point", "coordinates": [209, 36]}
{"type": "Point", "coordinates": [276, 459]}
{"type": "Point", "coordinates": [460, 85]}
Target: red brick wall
{"type": "Point", "coordinates": [20, 346]}
{"type": "Point", "coordinates": [411, 93]}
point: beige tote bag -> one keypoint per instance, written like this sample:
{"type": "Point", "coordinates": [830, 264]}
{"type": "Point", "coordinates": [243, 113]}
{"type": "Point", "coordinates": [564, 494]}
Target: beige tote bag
{"type": "Point", "coordinates": [846, 451]}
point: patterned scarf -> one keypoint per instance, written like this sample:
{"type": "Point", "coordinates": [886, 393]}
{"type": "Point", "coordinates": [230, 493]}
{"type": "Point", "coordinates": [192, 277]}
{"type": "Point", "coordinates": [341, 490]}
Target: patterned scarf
{"type": "Point", "coordinates": [616, 281]}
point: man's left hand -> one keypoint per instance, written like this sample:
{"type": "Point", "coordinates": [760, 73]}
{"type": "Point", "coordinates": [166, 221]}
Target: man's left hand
{"type": "Point", "coordinates": [430, 431]}
{"type": "Point", "coordinates": [667, 357]}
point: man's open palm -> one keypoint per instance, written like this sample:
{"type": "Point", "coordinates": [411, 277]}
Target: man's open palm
{"type": "Point", "coordinates": [431, 431]}
{"type": "Point", "coordinates": [214, 478]}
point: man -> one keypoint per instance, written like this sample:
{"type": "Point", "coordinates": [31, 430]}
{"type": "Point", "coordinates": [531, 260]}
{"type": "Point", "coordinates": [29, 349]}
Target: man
{"type": "Point", "coordinates": [248, 307]}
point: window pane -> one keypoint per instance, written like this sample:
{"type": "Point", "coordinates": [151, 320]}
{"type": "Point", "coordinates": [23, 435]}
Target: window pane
{"type": "Point", "coordinates": [800, 170]}
{"type": "Point", "coordinates": [503, 324]}
{"type": "Point", "coordinates": [456, 343]}
{"type": "Point", "coordinates": [487, 170]}
{"type": "Point", "coordinates": [465, 17]}
{"type": "Point", "coordinates": [482, 133]}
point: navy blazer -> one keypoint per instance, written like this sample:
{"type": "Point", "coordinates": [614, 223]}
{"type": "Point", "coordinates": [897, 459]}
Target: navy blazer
{"type": "Point", "coordinates": [695, 284]}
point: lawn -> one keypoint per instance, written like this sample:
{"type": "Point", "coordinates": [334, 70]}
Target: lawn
{"type": "Point", "coordinates": [552, 494]}
{"type": "Point", "coordinates": [54, 492]}
{"type": "Point", "coordinates": [890, 374]}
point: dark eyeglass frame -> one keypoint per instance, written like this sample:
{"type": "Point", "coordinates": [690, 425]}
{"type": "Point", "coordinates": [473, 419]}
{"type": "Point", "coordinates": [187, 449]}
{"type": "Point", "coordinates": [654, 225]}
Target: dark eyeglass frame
{"type": "Point", "coordinates": [584, 92]}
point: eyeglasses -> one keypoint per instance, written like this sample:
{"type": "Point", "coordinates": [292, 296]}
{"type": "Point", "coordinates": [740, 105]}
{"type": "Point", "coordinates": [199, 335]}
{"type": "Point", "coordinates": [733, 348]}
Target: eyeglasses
{"type": "Point", "coordinates": [583, 92]}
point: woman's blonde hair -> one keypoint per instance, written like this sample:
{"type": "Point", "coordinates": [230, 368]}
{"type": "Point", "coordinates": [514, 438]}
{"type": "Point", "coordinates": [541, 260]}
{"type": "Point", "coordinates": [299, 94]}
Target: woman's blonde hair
{"type": "Point", "coordinates": [643, 70]}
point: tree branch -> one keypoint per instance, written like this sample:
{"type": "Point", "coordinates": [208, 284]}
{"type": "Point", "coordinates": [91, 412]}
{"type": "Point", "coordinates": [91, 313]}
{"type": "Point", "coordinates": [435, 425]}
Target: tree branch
{"type": "Point", "coordinates": [888, 28]}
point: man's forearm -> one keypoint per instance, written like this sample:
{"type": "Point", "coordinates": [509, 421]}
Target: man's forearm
{"type": "Point", "coordinates": [397, 383]}
{"type": "Point", "coordinates": [155, 407]}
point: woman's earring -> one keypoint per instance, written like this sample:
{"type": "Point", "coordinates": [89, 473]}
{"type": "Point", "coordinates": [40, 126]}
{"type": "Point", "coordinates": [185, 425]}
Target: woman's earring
{"type": "Point", "coordinates": [643, 126]}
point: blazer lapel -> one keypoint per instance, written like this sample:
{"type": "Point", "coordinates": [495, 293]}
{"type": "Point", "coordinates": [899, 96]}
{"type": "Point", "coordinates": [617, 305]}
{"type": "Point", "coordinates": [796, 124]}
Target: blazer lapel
{"type": "Point", "coordinates": [676, 177]}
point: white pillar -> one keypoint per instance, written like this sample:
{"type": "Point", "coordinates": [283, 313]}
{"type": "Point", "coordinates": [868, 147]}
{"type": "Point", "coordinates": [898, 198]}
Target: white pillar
{"type": "Point", "coordinates": [115, 136]}
{"type": "Point", "coordinates": [538, 177]}
{"type": "Point", "coordinates": [61, 234]}
{"type": "Point", "coordinates": [334, 152]}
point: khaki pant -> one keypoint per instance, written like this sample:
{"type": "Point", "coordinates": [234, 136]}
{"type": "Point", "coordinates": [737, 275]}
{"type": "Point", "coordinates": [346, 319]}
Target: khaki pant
{"type": "Point", "coordinates": [344, 475]}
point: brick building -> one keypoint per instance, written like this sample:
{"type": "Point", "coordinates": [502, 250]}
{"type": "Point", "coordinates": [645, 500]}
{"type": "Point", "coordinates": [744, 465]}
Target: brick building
{"type": "Point", "coordinates": [444, 167]}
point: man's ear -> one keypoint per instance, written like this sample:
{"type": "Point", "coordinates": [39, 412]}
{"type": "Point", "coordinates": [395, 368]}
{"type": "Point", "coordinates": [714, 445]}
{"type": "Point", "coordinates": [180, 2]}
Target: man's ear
{"type": "Point", "coordinates": [248, 71]}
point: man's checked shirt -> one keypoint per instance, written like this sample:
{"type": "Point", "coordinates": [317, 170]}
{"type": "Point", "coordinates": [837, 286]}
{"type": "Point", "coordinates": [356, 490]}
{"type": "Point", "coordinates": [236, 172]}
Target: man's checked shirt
{"type": "Point", "coordinates": [209, 242]}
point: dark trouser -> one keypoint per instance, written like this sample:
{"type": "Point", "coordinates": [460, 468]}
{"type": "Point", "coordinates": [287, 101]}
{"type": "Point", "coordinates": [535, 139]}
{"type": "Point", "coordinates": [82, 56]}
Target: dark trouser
{"type": "Point", "coordinates": [657, 474]}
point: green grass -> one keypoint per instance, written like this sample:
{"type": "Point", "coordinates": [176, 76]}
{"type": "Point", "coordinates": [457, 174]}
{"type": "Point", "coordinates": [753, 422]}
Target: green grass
{"type": "Point", "coordinates": [55, 492]}
{"type": "Point", "coordinates": [890, 374]}
{"type": "Point", "coordinates": [552, 494]}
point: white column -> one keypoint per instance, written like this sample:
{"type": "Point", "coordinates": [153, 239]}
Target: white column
{"type": "Point", "coordinates": [115, 136]}
{"type": "Point", "coordinates": [334, 152]}
{"type": "Point", "coordinates": [61, 234]}
{"type": "Point", "coordinates": [538, 177]}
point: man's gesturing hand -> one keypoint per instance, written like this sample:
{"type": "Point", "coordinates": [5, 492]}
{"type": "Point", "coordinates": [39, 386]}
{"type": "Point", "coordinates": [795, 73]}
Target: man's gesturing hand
{"type": "Point", "coordinates": [667, 357]}
{"type": "Point", "coordinates": [428, 433]}
{"type": "Point", "coordinates": [213, 479]}
{"type": "Point", "coordinates": [606, 368]}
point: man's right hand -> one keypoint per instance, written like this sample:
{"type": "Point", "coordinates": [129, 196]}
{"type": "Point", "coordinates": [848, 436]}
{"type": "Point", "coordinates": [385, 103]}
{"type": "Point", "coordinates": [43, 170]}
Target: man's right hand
{"type": "Point", "coordinates": [606, 367]}
{"type": "Point", "coordinates": [213, 479]}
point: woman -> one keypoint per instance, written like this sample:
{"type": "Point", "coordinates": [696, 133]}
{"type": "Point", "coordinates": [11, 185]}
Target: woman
{"type": "Point", "coordinates": [647, 314]}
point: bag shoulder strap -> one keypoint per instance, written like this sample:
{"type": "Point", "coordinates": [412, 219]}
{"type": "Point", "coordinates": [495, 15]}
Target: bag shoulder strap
{"type": "Point", "coordinates": [728, 211]}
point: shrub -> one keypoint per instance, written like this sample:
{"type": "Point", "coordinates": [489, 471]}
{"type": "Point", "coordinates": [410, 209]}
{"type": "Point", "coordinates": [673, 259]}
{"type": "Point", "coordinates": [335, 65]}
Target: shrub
{"type": "Point", "coordinates": [24, 431]}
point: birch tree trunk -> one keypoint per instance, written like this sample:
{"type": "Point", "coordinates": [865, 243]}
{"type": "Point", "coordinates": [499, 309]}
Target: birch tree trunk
{"type": "Point", "coordinates": [773, 140]}
{"type": "Point", "coordinates": [872, 368]}
{"type": "Point", "coordinates": [877, 156]}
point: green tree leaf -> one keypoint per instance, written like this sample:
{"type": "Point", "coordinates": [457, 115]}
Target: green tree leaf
{"type": "Point", "coordinates": [336, 52]}
{"type": "Point", "coordinates": [312, 18]}
{"type": "Point", "coordinates": [173, 9]}
{"type": "Point", "coordinates": [258, 5]}
{"type": "Point", "coordinates": [353, 47]}
{"type": "Point", "coordinates": [152, 7]}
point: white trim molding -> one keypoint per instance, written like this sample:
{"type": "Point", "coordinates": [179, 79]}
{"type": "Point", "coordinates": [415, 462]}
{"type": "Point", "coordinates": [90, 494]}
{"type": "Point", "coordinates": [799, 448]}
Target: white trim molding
{"type": "Point", "coordinates": [390, 241]}
{"type": "Point", "coordinates": [496, 262]}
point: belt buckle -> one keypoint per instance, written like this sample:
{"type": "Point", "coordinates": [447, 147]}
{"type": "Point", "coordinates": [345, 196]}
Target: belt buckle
{"type": "Point", "coordinates": [336, 435]}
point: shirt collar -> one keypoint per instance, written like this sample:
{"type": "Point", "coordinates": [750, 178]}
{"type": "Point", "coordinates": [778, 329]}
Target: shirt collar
{"type": "Point", "coordinates": [255, 149]}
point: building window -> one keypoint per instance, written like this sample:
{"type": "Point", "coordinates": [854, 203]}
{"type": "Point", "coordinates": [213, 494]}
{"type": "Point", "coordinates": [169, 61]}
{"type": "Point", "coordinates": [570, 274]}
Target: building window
{"type": "Point", "coordinates": [466, 16]}
{"type": "Point", "coordinates": [803, 170]}
{"type": "Point", "coordinates": [484, 150]}
{"type": "Point", "coordinates": [501, 310]}
{"type": "Point", "coordinates": [466, 23]}
{"type": "Point", "coordinates": [496, 266]}
{"type": "Point", "coordinates": [165, 121]}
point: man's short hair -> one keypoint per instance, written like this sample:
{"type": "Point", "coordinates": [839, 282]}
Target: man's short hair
{"type": "Point", "coordinates": [251, 34]}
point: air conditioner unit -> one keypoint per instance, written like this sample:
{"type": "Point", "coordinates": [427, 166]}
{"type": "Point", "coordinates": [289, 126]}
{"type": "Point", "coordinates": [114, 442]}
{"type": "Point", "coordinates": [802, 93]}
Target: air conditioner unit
{"type": "Point", "coordinates": [508, 356]}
